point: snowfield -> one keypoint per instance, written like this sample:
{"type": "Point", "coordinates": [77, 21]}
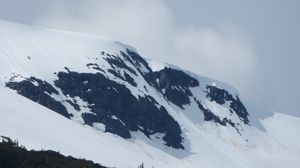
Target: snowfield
{"type": "Point", "coordinates": [270, 139]}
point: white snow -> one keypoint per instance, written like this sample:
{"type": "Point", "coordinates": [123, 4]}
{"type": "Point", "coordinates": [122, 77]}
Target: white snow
{"type": "Point", "coordinates": [272, 139]}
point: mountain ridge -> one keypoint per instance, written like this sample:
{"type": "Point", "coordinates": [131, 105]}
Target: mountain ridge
{"type": "Point", "coordinates": [109, 88]}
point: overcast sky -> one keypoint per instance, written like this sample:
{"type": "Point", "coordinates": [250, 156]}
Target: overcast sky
{"type": "Point", "coordinates": [253, 45]}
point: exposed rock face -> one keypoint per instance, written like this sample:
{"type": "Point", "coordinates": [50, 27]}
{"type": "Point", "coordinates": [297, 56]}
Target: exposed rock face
{"type": "Point", "coordinates": [173, 84]}
{"type": "Point", "coordinates": [117, 97]}
{"type": "Point", "coordinates": [39, 91]}
{"type": "Point", "coordinates": [221, 96]}
{"type": "Point", "coordinates": [115, 106]}
{"type": "Point", "coordinates": [210, 116]}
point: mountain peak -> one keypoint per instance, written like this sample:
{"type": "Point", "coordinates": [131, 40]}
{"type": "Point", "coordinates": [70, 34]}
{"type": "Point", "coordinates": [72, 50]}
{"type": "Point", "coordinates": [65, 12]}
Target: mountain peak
{"type": "Point", "coordinates": [108, 87]}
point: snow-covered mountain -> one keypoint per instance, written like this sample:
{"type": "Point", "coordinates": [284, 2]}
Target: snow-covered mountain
{"type": "Point", "coordinates": [96, 98]}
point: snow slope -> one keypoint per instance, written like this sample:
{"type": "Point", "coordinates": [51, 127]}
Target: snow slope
{"type": "Point", "coordinates": [270, 139]}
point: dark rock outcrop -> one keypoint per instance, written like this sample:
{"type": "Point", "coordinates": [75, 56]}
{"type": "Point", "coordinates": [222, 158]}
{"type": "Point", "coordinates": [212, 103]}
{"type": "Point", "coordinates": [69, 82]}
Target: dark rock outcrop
{"type": "Point", "coordinates": [114, 105]}
{"type": "Point", "coordinates": [221, 96]}
{"type": "Point", "coordinates": [39, 93]}
{"type": "Point", "coordinates": [210, 116]}
{"type": "Point", "coordinates": [173, 84]}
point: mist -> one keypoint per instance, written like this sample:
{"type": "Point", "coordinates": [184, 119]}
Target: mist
{"type": "Point", "coordinates": [223, 48]}
{"type": "Point", "coordinates": [222, 52]}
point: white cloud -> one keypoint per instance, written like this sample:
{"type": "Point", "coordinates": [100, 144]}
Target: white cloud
{"type": "Point", "coordinates": [147, 25]}
{"type": "Point", "coordinates": [223, 52]}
